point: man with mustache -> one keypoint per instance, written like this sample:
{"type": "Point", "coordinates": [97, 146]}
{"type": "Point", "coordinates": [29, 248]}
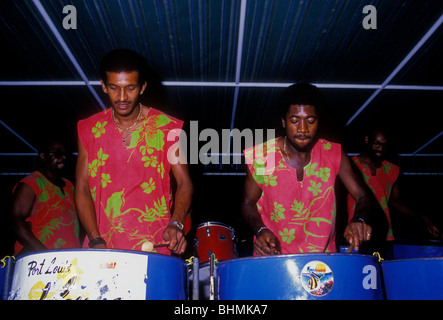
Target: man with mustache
{"type": "Point", "coordinates": [381, 176]}
{"type": "Point", "coordinates": [290, 206]}
{"type": "Point", "coordinates": [123, 192]}
{"type": "Point", "coordinates": [43, 211]}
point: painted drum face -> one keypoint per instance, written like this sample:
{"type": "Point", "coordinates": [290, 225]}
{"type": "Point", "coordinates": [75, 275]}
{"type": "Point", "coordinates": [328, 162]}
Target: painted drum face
{"type": "Point", "coordinates": [311, 276]}
{"type": "Point", "coordinates": [94, 274]}
{"type": "Point", "coordinates": [317, 278]}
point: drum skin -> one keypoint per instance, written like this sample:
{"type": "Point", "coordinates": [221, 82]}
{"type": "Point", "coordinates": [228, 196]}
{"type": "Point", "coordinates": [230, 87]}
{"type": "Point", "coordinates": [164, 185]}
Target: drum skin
{"type": "Point", "coordinates": [413, 279]}
{"type": "Point", "coordinates": [214, 237]}
{"type": "Point", "coordinates": [309, 276]}
{"type": "Point", "coordinates": [98, 274]}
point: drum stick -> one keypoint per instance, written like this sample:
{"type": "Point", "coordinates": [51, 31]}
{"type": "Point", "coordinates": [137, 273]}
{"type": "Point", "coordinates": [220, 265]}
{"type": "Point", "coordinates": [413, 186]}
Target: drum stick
{"type": "Point", "coordinates": [351, 246]}
{"type": "Point", "coordinates": [161, 245]}
{"type": "Point", "coordinates": [149, 246]}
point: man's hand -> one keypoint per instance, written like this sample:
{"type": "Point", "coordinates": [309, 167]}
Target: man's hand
{"type": "Point", "coordinates": [357, 232]}
{"type": "Point", "coordinates": [175, 238]}
{"type": "Point", "coordinates": [267, 244]}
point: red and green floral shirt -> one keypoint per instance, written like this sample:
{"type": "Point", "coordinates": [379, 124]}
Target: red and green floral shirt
{"type": "Point", "coordinates": [300, 213]}
{"type": "Point", "coordinates": [381, 185]}
{"type": "Point", "coordinates": [53, 218]}
{"type": "Point", "coordinates": [130, 186]}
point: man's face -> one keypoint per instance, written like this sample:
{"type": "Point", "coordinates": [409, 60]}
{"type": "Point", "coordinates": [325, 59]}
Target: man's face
{"type": "Point", "coordinates": [377, 146]}
{"type": "Point", "coordinates": [55, 157]}
{"type": "Point", "coordinates": [301, 124]}
{"type": "Point", "coordinates": [123, 90]}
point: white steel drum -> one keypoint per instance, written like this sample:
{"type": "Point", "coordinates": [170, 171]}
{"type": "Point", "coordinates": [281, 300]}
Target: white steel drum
{"type": "Point", "coordinates": [98, 274]}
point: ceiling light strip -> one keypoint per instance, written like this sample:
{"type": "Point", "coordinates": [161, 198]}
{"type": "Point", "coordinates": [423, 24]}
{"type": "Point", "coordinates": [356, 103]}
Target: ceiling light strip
{"type": "Point", "coordinates": [428, 143]}
{"type": "Point", "coordinates": [241, 32]}
{"type": "Point", "coordinates": [17, 135]}
{"type": "Point", "coordinates": [414, 50]}
{"type": "Point", "coordinates": [232, 85]}
{"type": "Point", "coordinates": [42, 83]}
{"type": "Point", "coordinates": [68, 52]}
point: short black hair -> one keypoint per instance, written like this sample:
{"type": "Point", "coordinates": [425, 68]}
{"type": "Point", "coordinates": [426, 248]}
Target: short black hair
{"type": "Point", "coordinates": [300, 93]}
{"type": "Point", "coordinates": [123, 60]}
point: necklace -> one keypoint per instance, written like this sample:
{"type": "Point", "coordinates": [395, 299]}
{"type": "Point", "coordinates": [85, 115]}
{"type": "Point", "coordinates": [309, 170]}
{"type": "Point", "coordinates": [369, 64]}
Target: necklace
{"type": "Point", "coordinates": [121, 129]}
{"type": "Point", "coordinates": [286, 153]}
{"type": "Point", "coordinates": [289, 160]}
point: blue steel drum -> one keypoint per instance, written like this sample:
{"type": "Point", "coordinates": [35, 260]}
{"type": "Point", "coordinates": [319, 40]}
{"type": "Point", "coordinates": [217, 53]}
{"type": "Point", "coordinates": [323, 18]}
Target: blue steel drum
{"type": "Point", "coordinates": [6, 269]}
{"type": "Point", "coordinates": [98, 274]}
{"type": "Point", "coordinates": [404, 249]}
{"type": "Point", "coordinates": [311, 276]}
{"type": "Point", "coordinates": [413, 279]}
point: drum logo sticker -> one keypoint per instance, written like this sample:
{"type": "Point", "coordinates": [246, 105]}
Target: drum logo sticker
{"type": "Point", "coordinates": [317, 278]}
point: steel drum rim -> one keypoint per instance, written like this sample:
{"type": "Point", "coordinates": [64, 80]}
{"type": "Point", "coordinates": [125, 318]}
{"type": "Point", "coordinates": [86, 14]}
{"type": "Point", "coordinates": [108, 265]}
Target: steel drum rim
{"type": "Point", "coordinates": [297, 255]}
{"type": "Point", "coordinates": [214, 223]}
{"type": "Point", "coordinates": [152, 254]}
{"type": "Point", "coordinates": [414, 259]}
{"type": "Point", "coordinates": [417, 242]}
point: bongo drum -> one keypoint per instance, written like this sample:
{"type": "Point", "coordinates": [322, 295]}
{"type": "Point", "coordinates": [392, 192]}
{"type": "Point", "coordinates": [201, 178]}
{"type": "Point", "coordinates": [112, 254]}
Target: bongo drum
{"type": "Point", "coordinates": [214, 238]}
{"type": "Point", "coordinates": [98, 274]}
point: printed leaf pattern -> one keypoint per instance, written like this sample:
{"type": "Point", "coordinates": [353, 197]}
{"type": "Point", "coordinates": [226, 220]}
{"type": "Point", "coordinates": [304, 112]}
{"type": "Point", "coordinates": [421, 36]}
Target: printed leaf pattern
{"type": "Point", "coordinates": [96, 163]}
{"type": "Point", "coordinates": [130, 212]}
{"type": "Point", "coordinates": [53, 219]}
{"type": "Point", "coordinates": [298, 222]}
{"type": "Point", "coordinates": [99, 129]}
{"type": "Point", "coordinates": [380, 185]}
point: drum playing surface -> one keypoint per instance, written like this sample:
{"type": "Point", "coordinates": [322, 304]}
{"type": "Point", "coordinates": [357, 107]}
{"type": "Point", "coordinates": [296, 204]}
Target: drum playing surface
{"type": "Point", "coordinates": [98, 275]}
{"type": "Point", "coordinates": [413, 279]}
{"type": "Point", "coordinates": [301, 277]}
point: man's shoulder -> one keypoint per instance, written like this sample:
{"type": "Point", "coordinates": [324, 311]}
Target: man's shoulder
{"type": "Point", "coordinates": [166, 117]}
{"type": "Point", "coordinates": [95, 117]}
{"type": "Point", "coordinates": [391, 165]}
{"type": "Point", "coordinates": [326, 145]}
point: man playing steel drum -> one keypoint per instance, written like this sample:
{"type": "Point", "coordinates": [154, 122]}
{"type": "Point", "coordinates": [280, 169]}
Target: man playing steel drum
{"type": "Point", "coordinates": [382, 177]}
{"type": "Point", "coordinates": [123, 192]}
{"type": "Point", "coordinates": [289, 199]}
{"type": "Point", "coordinates": [43, 211]}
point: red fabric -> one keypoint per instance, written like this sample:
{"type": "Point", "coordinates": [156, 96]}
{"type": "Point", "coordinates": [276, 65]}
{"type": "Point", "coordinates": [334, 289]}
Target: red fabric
{"type": "Point", "coordinates": [130, 185]}
{"type": "Point", "coordinates": [381, 185]}
{"type": "Point", "coordinates": [300, 214]}
{"type": "Point", "coordinates": [53, 217]}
